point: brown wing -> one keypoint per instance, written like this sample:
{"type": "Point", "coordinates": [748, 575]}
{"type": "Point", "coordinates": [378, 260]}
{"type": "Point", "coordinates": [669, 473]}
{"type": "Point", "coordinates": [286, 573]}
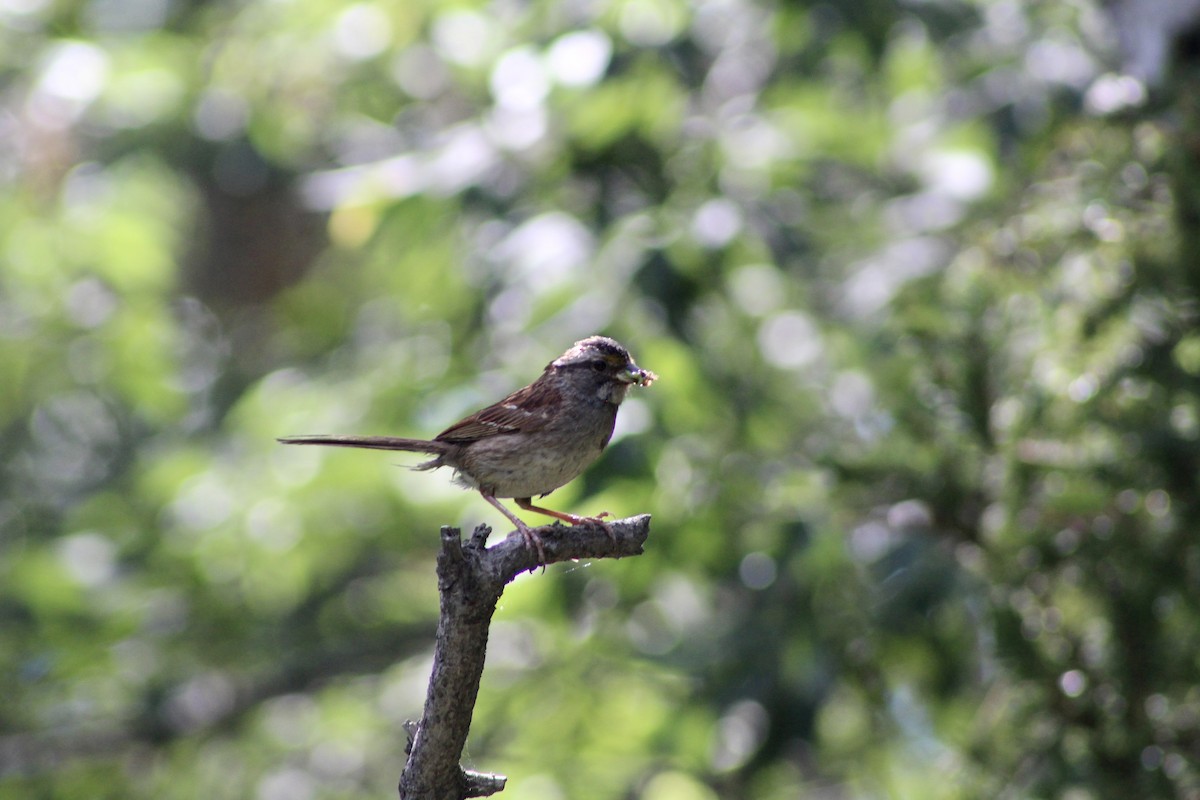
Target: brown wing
{"type": "Point", "coordinates": [527, 409]}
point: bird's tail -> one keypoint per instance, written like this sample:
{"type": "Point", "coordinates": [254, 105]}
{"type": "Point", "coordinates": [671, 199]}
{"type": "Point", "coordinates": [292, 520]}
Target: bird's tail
{"type": "Point", "coordinates": [371, 443]}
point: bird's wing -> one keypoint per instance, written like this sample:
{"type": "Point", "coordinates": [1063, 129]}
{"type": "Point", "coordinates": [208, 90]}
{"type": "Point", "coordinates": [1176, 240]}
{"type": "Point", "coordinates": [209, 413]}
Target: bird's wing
{"type": "Point", "coordinates": [527, 410]}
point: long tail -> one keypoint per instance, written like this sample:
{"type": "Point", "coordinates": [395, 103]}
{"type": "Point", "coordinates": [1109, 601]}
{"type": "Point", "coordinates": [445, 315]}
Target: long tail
{"type": "Point", "coordinates": [371, 443]}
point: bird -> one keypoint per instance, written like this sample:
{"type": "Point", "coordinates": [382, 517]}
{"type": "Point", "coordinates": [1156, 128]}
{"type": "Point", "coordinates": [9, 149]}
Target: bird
{"type": "Point", "coordinates": [535, 440]}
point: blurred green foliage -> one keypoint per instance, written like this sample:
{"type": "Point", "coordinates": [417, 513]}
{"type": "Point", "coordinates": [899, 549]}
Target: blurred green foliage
{"type": "Point", "coordinates": [922, 462]}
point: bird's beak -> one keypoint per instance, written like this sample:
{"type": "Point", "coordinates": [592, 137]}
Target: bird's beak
{"type": "Point", "coordinates": [632, 373]}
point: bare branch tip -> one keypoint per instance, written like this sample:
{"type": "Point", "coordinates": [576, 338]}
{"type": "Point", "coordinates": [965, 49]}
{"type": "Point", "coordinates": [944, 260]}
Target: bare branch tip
{"type": "Point", "coordinates": [483, 784]}
{"type": "Point", "coordinates": [452, 542]}
{"type": "Point", "coordinates": [480, 535]}
{"type": "Point", "coordinates": [410, 727]}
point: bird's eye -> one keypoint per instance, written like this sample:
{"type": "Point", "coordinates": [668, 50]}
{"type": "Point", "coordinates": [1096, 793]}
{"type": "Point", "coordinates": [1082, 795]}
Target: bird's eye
{"type": "Point", "coordinates": [599, 364]}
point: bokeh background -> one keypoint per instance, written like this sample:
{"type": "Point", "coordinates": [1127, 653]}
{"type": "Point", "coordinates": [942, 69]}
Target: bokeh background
{"type": "Point", "coordinates": [920, 279]}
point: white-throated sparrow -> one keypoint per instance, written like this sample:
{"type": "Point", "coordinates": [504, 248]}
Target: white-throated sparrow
{"type": "Point", "coordinates": [536, 439]}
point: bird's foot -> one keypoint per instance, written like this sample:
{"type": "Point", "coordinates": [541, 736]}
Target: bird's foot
{"type": "Point", "coordinates": [598, 521]}
{"type": "Point", "coordinates": [533, 542]}
{"type": "Point", "coordinates": [572, 519]}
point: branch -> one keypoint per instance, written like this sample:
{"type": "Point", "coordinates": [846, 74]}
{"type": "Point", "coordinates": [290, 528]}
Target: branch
{"type": "Point", "coordinates": [471, 578]}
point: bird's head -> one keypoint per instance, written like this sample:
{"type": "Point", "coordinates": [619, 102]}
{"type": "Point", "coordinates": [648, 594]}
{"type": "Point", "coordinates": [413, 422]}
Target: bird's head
{"type": "Point", "coordinates": [604, 364]}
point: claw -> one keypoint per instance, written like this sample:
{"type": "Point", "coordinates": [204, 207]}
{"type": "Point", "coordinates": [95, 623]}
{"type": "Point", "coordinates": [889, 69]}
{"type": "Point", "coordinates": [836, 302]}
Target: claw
{"type": "Point", "coordinates": [598, 521]}
{"type": "Point", "coordinates": [527, 504]}
{"type": "Point", "coordinates": [533, 542]}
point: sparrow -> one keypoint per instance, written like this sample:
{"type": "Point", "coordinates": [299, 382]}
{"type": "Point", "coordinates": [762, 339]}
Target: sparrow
{"type": "Point", "coordinates": [535, 440]}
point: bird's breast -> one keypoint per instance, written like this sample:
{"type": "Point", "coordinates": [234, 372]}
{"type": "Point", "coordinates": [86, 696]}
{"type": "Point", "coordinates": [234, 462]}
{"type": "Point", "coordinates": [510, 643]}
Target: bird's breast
{"type": "Point", "coordinates": [532, 463]}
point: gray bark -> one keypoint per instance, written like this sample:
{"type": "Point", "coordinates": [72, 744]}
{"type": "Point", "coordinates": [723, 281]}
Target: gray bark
{"type": "Point", "coordinates": [471, 578]}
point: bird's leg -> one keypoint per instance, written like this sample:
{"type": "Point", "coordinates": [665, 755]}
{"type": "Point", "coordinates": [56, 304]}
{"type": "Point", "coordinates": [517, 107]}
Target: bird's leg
{"type": "Point", "coordinates": [527, 504]}
{"type": "Point", "coordinates": [532, 540]}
